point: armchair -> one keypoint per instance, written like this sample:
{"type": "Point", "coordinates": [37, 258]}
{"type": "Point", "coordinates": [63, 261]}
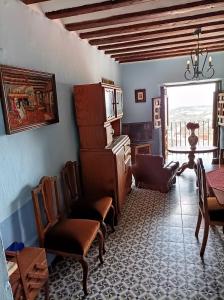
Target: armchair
{"type": "Point", "coordinates": [149, 171]}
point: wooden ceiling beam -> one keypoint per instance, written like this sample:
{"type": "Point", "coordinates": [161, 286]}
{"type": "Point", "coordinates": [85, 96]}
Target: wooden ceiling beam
{"type": "Point", "coordinates": [161, 12]}
{"type": "Point", "coordinates": [33, 1]}
{"type": "Point", "coordinates": [163, 55]}
{"type": "Point", "coordinates": [156, 25]}
{"type": "Point", "coordinates": [166, 51]}
{"type": "Point", "coordinates": [143, 58]}
{"type": "Point", "coordinates": [149, 57]}
{"type": "Point", "coordinates": [168, 45]}
{"type": "Point", "coordinates": [180, 31]}
{"type": "Point", "coordinates": [165, 38]}
{"type": "Point", "coordinates": [92, 8]}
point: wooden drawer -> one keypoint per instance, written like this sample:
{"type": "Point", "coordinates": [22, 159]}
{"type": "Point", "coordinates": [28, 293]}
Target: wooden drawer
{"type": "Point", "coordinates": [35, 270]}
{"type": "Point", "coordinates": [31, 275]}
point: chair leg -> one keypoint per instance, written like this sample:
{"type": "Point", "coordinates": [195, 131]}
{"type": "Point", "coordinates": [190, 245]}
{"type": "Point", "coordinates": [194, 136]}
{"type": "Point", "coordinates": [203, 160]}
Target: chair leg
{"type": "Point", "coordinates": [85, 269]}
{"type": "Point", "coordinates": [46, 288]}
{"type": "Point", "coordinates": [112, 209]}
{"type": "Point", "coordinates": [103, 228]}
{"type": "Point", "coordinates": [205, 238]}
{"type": "Point", "coordinates": [101, 246]}
{"type": "Point", "coordinates": [198, 224]}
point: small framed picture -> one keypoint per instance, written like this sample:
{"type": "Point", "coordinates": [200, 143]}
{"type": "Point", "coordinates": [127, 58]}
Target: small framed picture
{"type": "Point", "coordinates": [140, 96]}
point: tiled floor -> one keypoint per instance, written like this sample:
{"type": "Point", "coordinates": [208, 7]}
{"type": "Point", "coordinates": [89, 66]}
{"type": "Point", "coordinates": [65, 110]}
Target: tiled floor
{"type": "Point", "coordinates": [153, 254]}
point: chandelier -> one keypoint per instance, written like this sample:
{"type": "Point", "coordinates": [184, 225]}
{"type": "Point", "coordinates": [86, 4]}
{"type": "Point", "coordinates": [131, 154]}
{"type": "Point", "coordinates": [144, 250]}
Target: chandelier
{"type": "Point", "coordinates": [198, 67]}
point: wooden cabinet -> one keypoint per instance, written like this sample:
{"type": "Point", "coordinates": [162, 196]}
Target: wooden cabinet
{"type": "Point", "coordinates": [31, 275]}
{"type": "Point", "coordinates": [95, 104]}
{"type": "Point", "coordinates": [104, 153]}
{"type": "Point", "coordinates": [98, 108]}
{"type": "Point", "coordinates": [107, 171]}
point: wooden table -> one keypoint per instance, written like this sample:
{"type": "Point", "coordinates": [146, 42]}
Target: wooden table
{"type": "Point", "coordinates": [215, 182]}
{"type": "Point", "coordinates": [191, 164]}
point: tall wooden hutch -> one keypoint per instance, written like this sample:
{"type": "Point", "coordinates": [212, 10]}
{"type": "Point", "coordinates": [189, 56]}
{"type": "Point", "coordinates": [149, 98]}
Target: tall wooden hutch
{"type": "Point", "coordinates": [104, 153]}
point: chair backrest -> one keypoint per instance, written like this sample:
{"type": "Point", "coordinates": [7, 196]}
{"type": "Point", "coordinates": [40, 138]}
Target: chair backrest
{"type": "Point", "coordinates": [149, 159]}
{"type": "Point", "coordinates": [202, 187]}
{"type": "Point", "coordinates": [71, 183]}
{"type": "Point", "coordinates": [46, 206]}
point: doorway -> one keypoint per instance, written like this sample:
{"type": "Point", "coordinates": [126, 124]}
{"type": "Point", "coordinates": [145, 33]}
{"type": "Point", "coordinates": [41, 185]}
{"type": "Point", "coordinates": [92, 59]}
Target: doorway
{"type": "Point", "coordinates": [190, 103]}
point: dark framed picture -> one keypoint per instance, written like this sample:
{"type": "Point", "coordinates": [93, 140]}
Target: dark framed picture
{"type": "Point", "coordinates": [140, 96]}
{"type": "Point", "coordinates": [156, 118]}
{"type": "Point", "coordinates": [28, 97]}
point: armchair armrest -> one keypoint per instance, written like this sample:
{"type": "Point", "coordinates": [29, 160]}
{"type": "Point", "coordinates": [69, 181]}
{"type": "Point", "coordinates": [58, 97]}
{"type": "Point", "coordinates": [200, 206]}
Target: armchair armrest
{"type": "Point", "coordinates": [172, 166]}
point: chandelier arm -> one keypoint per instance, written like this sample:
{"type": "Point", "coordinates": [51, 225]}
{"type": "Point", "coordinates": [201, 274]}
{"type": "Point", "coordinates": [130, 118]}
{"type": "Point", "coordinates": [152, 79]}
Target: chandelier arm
{"type": "Point", "coordinates": [207, 72]}
{"type": "Point", "coordinates": [204, 60]}
{"type": "Point", "coordinates": [187, 75]}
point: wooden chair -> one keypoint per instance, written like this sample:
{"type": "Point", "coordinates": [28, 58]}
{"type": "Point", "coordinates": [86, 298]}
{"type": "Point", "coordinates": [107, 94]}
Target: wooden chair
{"type": "Point", "coordinates": [64, 237]}
{"type": "Point", "coordinates": [209, 208]}
{"type": "Point", "coordinates": [81, 207]}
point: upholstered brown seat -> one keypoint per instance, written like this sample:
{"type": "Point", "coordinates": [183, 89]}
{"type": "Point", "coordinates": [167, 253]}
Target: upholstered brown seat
{"type": "Point", "coordinates": [209, 208]}
{"type": "Point", "coordinates": [149, 172]}
{"type": "Point", "coordinates": [96, 210]}
{"type": "Point", "coordinates": [72, 236]}
{"type": "Point", "coordinates": [64, 237]}
{"type": "Point", "coordinates": [78, 206]}
{"type": "Point", "coordinates": [215, 210]}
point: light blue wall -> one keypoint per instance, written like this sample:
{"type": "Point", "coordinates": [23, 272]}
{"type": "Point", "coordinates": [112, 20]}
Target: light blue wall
{"type": "Point", "coordinates": [5, 288]}
{"type": "Point", "coordinates": [150, 75]}
{"type": "Point", "coordinates": [28, 39]}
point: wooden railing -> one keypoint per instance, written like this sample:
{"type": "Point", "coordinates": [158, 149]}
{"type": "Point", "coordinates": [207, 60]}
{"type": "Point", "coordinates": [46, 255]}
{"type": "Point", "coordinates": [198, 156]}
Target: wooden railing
{"type": "Point", "coordinates": [178, 133]}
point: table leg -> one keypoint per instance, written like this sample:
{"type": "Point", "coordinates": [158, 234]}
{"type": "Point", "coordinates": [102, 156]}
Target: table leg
{"type": "Point", "coordinates": [190, 164]}
{"type": "Point", "coordinates": [182, 168]}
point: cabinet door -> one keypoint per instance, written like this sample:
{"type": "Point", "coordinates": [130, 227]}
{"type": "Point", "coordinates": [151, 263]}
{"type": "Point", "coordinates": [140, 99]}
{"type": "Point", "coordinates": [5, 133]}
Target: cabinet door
{"type": "Point", "coordinates": [109, 103]}
{"type": "Point", "coordinates": [119, 103]}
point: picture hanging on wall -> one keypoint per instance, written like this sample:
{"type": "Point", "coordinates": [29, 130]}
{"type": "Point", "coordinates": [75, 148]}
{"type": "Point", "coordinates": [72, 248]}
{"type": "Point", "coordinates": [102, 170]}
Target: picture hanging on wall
{"type": "Point", "coordinates": [140, 96]}
{"type": "Point", "coordinates": [156, 118]}
{"type": "Point", "coordinates": [28, 97]}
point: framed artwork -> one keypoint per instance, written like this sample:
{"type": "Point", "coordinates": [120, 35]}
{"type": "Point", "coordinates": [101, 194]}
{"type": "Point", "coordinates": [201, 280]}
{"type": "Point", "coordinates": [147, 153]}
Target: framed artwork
{"type": "Point", "coordinates": [140, 96]}
{"type": "Point", "coordinates": [28, 97]}
{"type": "Point", "coordinates": [156, 118]}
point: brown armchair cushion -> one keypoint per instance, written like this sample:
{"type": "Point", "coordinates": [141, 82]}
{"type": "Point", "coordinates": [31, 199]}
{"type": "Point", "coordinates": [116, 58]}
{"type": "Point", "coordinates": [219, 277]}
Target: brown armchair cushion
{"type": "Point", "coordinates": [72, 236]}
{"type": "Point", "coordinates": [149, 171]}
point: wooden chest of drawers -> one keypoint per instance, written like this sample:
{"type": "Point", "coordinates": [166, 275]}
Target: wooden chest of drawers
{"type": "Point", "coordinates": [31, 275]}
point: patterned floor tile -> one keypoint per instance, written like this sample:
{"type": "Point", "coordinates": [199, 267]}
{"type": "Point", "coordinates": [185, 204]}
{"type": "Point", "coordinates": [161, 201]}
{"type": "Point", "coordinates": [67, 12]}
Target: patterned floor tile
{"type": "Point", "coordinates": [153, 253]}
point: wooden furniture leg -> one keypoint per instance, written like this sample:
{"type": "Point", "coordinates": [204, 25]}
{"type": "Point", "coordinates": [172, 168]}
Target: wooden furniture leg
{"type": "Point", "coordinates": [190, 164]}
{"type": "Point", "coordinates": [205, 238]}
{"type": "Point", "coordinates": [198, 224]}
{"type": "Point", "coordinates": [85, 269]}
